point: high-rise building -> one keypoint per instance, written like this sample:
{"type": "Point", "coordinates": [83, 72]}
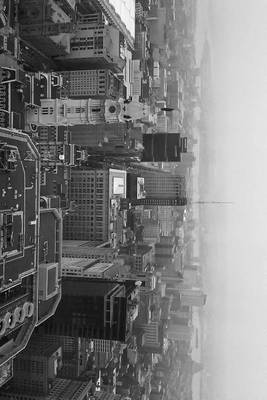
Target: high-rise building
{"type": "Point", "coordinates": [166, 219]}
{"type": "Point", "coordinates": [165, 186]}
{"type": "Point", "coordinates": [142, 258]}
{"type": "Point", "coordinates": [156, 201]}
{"type": "Point", "coordinates": [95, 308]}
{"type": "Point", "coordinates": [151, 231]}
{"type": "Point", "coordinates": [19, 242]}
{"type": "Point", "coordinates": [30, 11]}
{"type": "Point", "coordinates": [93, 44]}
{"type": "Point", "coordinates": [120, 14]}
{"type": "Point", "coordinates": [50, 244]}
{"type": "Point", "coordinates": [180, 332]}
{"type": "Point", "coordinates": [30, 248]}
{"type": "Point", "coordinates": [74, 352]}
{"type": "Point", "coordinates": [97, 194]}
{"type": "Point", "coordinates": [165, 251]}
{"type": "Point", "coordinates": [163, 189]}
{"type": "Point", "coordinates": [67, 389]}
{"type": "Point", "coordinates": [100, 134]}
{"type": "Point", "coordinates": [36, 368]}
{"type": "Point", "coordinates": [163, 147]}
{"type": "Point", "coordinates": [98, 83]}
{"type": "Point", "coordinates": [193, 297]}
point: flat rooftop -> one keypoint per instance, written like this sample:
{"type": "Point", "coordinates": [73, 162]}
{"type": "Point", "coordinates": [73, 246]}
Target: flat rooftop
{"type": "Point", "coordinates": [19, 206]}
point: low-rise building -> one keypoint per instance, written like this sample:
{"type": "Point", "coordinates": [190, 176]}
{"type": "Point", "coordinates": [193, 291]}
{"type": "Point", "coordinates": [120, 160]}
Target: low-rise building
{"type": "Point", "coordinates": [89, 249]}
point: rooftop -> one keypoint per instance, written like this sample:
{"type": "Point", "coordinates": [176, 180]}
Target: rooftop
{"type": "Point", "coordinates": [19, 165]}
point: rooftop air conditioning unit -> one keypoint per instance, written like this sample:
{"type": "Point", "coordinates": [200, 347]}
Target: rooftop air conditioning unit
{"type": "Point", "coordinates": [48, 281]}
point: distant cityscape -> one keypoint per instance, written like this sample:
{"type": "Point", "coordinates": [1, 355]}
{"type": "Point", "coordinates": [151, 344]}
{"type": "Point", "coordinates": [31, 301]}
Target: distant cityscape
{"type": "Point", "coordinates": [100, 280]}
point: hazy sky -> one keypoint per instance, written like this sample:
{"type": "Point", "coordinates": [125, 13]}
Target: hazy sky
{"type": "Point", "coordinates": [237, 284]}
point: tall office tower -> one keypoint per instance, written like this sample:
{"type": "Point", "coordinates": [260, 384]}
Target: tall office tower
{"type": "Point", "coordinates": [30, 11]}
{"type": "Point", "coordinates": [163, 189]}
{"type": "Point", "coordinates": [164, 250]}
{"type": "Point", "coordinates": [192, 297]}
{"type": "Point", "coordinates": [73, 356]}
{"type": "Point", "coordinates": [179, 202]}
{"type": "Point", "coordinates": [165, 247]}
{"type": "Point", "coordinates": [172, 278]}
{"type": "Point", "coordinates": [164, 261]}
{"type": "Point", "coordinates": [59, 388]}
{"type": "Point", "coordinates": [180, 332]}
{"type": "Point", "coordinates": [191, 277]}
{"type": "Point", "coordinates": [182, 312]}
{"type": "Point", "coordinates": [86, 43]}
{"type": "Point", "coordinates": [93, 135]}
{"type": "Point", "coordinates": [97, 194]}
{"type": "Point", "coordinates": [50, 245]}
{"type": "Point", "coordinates": [166, 219]}
{"type": "Point", "coordinates": [163, 147]}
{"type": "Point", "coordinates": [19, 245]}
{"type": "Point", "coordinates": [167, 240]}
{"type": "Point", "coordinates": [95, 308]}
{"type": "Point", "coordinates": [142, 258]}
{"type": "Point", "coordinates": [36, 368]}
{"type": "Point", "coordinates": [98, 83]}
{"type": "Point", "coordinates": [165, 186]}
{"type": "Point", "coordinates": [47, 26]}
{"type": "Point", "coordinates": [120, 16]}
{"type": "Point", "coordinates": [151, 231]}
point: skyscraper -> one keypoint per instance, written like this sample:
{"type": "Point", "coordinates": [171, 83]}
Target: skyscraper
{"type": "Point", "coordinates": [163, 189]}
{"type": "Point", "coordinates": [165, 186]}
{"type": "Point", "coordinates": [99, 83]}
{"type": "Point", "coordinates": [19, 241]}
{"type": "Point", "coordinates": [95, 308]}
{"type": "Point", "coordinates": [193, 297]}
{"type": "Point", "coordinates": [180, 332]}
{"type": "Point", "coordinates": [97, 193]}
{"type": "Point", "coordinates": [163, 147]}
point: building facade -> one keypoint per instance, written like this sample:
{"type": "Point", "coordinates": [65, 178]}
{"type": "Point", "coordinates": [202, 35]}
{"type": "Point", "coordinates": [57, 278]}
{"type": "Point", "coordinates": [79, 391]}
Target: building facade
{"type": "Point", "coordinates": [89, 250]}
{"type": "Point", "coordinates": [98, 83]}
{"type": "Point", "coordinates": [94, 308]}
{"type": "Point", "coordinates": [84, 111]}
{"type": "Point", "coordinates": [19, 241]}
{"type": "Point", "coordinates": [97, 194]}
{"type": "Point", "coordinates": [193, 297]}
{"type": "Point", "coordinates": [89, 268]}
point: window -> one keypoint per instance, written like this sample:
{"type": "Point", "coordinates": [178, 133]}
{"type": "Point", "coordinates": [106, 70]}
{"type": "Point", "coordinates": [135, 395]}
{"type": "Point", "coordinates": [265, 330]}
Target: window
{"type": "Point", "coordinates": [44, 110]}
